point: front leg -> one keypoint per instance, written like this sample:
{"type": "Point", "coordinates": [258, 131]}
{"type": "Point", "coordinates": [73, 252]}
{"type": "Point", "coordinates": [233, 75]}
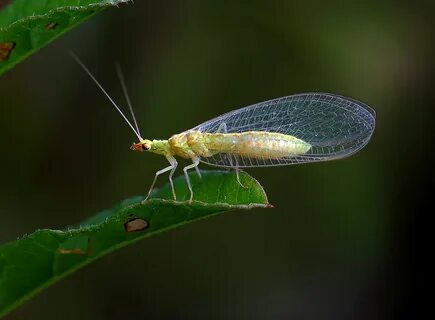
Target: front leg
{"type": "Point", "coordinates": [172, 167]}
{"type": "Point", "coordinates": [189, 185]}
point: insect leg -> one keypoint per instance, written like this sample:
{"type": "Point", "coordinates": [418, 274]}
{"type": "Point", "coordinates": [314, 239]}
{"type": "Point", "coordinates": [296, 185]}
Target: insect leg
{"type": "Point", "coordinates": [172, 167]}
{"type": "Point", "coordinates": [223, 128]}
{"type": "Point", "coordinates": [174, 164]}
{"type": "Point", "coordinates": [198, 172]}
{"type": "Point", "coordinates": [236, 168]}
{"type": "Point", "coordinates": [193, 165]}
{"type": "Point", "coordinates": [238, 171]}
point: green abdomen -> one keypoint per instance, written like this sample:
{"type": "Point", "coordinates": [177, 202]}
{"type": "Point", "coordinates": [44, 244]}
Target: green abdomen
{"type": "Point", "coordinates": [255, 144]}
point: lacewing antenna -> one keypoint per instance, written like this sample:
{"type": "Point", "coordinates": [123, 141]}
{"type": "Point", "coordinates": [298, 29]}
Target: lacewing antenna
{"type": "Point", "coordinates": [83, 66]}
{"type": "Point", "coordinates": [127, 97]}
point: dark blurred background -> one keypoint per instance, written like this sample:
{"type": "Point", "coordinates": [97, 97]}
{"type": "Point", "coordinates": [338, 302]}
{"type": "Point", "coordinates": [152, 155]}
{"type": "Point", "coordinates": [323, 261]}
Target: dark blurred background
{"type": "Point", "coordinates": [348, 239]}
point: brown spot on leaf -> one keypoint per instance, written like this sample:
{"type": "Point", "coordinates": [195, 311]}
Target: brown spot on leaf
{"type": "Point", "coordinates": [71, 251]}
{"type": "Point", "coordinates": [79, 245]}
{"type": "Point", "coordinates": [6, 49]}
{"type": "Point", "coordinates": [136, 224]}
{"type": "Point", "coordinates": [51, 26]}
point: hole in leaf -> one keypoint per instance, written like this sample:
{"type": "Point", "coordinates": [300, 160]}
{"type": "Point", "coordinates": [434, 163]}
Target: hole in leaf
{"type": "Point", "coordinates": [6, 49]}
{"type": "Point", "coordinates": [136, 224]}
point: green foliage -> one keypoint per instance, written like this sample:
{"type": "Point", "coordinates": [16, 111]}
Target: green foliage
{"type": "Point", "coordinates": [26, 26]}
{"type": "Point", "coordinates": [35, 261]}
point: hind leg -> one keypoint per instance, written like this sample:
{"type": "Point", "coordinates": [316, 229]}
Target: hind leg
{"type": "Point", "coordinates": [223, 128]}
{"type": "Point", "coordinates": [198, 172]}
{"type": "Point", "coordinates": [238, 172]}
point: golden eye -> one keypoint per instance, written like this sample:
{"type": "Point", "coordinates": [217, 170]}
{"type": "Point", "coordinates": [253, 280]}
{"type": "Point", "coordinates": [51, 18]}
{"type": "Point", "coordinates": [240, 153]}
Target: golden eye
{"type": "Point", "coordinates": [144, 147]}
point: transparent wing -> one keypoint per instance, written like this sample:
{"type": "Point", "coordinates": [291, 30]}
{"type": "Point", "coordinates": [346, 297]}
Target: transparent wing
{"type": "Point", "coordinates": [334, 126]}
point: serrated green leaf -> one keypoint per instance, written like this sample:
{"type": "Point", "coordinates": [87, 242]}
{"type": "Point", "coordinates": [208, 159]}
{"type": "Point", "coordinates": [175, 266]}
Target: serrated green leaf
{"type": "Point", "coordinates": [35, 261]}
{"type": "Point", "coordinates": [28, 25]}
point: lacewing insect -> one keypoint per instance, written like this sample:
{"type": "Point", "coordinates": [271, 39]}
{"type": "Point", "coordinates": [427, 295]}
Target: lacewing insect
{"type": "Point", "coordinates": [300, 128]}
